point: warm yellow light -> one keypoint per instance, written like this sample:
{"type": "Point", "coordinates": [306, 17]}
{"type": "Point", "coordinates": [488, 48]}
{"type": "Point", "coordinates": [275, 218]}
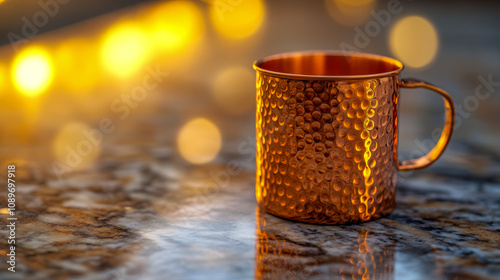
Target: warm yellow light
{"type": "Point", "coordinates": [3, 80]}
{"type": "Point", "coordinates": [76, 145]}
{"type": "Point", "coordinates": [75, 62]}
{"type": "Point", "coordinates": [4, 210]}
{"type": "Point", "coordinates": [237, 19]}
{"type": "Point", "coordinates": [350, 12]}
{"type": "Point", "coordinates": [174, 25]}
{"type": "Point", "coordinates": [414, 41]}
{"type": "Point", "coordinates": [232, 90]}
{"type": "Point", "coordinates": [199, 141]}
{"type": "Point", "coordinates": [32, 71]}
{"type": "Point", "coordinates": [125, 49]}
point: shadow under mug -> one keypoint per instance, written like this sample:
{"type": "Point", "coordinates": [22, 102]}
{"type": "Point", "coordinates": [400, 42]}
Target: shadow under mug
{"type": "Point", "coordinates": [327, 135]}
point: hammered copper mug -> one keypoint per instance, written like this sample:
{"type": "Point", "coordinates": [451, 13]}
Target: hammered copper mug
{"type": "Point", "coordinates": [327, 135]}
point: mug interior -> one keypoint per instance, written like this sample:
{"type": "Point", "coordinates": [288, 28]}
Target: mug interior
{"type": "Point", "coordinates": [329, 65]}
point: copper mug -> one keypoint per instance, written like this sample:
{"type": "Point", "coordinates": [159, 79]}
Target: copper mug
{"type": "Point", "coordinates": [327, 136]}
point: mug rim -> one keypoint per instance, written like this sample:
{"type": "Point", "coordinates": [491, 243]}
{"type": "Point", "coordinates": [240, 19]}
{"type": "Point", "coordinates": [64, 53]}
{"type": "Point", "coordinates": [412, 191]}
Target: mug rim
{"type": "Point", "coordinates": [257, 65]}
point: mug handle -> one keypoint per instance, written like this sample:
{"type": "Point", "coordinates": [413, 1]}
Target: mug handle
{"type": "Point", "coordinates": [438, 149]}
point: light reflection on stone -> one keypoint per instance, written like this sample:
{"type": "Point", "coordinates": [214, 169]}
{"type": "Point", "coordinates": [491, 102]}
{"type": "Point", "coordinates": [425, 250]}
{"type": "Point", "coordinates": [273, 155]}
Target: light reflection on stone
{"type": "Point", "coordinates": [291, 250]}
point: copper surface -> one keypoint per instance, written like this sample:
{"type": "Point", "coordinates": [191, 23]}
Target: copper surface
{"type": "Point", "coordinates": [327, 135]}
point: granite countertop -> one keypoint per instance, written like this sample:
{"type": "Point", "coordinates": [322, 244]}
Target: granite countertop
{"type": "Point", "coordinates": [155, 217]}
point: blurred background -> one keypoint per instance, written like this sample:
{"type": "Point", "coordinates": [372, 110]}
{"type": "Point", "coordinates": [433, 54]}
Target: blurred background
{"type": "Point", "coordinates": [83, 81]}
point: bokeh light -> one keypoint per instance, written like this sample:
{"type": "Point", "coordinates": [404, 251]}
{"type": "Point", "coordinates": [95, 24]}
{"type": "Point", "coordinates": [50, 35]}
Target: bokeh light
{"type": "Point", "coordinates": [3, 80]}
{"type": "Point", "coordinates": [350, 12]}
{"type": "Point", "coordinates": [237, 19]}
{"type": "Point", "coordinates": [76, 145]}
{"type": "Point", "coordinates": [233, 90]}
{"type": "Point", "coordinates": [125, 49]}
{"type": "Point", "coordinates": [75, 64]}
{"type": "Point", "coordinates": [173, 25]}
{"type": "Point", "coordinates": [199, 141]}
{"type": "Point", "coordinates": [414, 41]}
{"type": "Point", "coordinates": [32, 71]}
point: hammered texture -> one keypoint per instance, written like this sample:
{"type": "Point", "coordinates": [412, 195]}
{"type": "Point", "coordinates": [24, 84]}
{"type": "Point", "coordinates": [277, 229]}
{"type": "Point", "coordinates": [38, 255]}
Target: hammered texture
{"type": "Point", "coordinates": [325, 149]}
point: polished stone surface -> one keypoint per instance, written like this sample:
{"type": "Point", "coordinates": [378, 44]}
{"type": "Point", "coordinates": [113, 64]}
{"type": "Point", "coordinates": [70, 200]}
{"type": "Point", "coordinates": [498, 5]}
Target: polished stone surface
{"type": "Point", "coordinates": [159, 218]}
